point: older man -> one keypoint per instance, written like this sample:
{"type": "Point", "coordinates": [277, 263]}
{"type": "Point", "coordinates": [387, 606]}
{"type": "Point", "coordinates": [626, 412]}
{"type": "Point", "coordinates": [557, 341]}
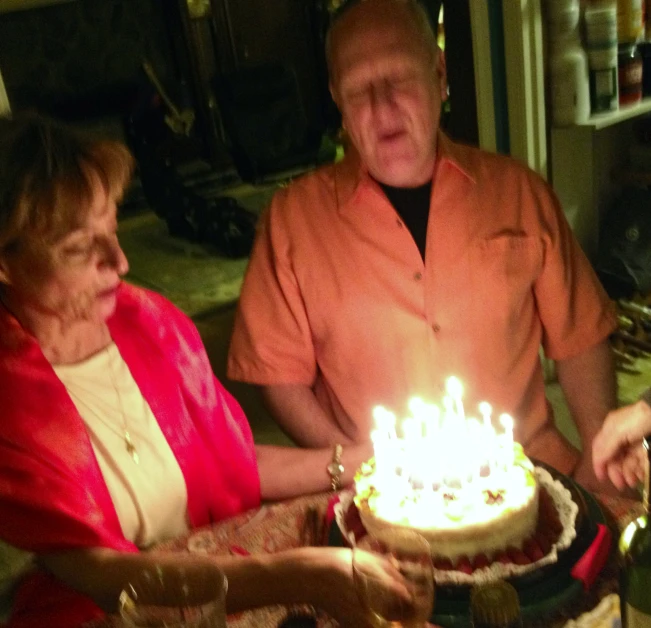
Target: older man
{"type": "Point", "coordinates": [413, 259]}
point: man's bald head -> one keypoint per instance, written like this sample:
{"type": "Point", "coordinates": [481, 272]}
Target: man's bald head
{"type": "Point", "coordinates": [355, 14]}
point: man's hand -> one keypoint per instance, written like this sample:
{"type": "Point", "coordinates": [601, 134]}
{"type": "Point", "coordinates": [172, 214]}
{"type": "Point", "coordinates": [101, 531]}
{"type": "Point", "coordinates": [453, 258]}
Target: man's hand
{"type": "Point", "coordinates": [617, 449]}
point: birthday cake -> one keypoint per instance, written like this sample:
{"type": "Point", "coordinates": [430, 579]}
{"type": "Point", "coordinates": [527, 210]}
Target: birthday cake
{"type": "Point", "coordinates": [494, 512]}
{"type": "Point", "coordinates": [461, 482]}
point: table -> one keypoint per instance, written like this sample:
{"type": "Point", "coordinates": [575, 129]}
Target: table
{"type": "Point", "coordinates": [276, 527]}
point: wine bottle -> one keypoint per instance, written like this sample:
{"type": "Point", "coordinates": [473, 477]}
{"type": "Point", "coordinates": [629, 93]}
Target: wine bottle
{"type": "Point", "coordinates": [635, 554]}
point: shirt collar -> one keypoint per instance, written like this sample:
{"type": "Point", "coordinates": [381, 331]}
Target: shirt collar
{"type": "Point", "coordinates": [351, 174]}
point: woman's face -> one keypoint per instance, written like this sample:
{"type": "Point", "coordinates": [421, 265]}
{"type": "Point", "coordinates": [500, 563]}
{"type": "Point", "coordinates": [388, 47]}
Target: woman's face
{"type": "Point", "coordinates": [75, 278]}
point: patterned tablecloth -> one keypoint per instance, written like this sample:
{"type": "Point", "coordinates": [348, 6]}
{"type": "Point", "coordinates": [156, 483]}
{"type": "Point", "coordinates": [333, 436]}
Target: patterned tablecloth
{"type": "Point", "coordinates": [280, 526]}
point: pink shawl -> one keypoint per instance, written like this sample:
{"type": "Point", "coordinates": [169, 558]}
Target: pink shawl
{"type": "Point", "coordinates": [52, 493]}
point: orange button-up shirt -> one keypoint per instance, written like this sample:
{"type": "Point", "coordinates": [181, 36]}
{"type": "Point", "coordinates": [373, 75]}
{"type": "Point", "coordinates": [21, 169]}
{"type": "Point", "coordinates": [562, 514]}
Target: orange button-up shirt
{"type": "Point", "coordinates": [337, 295]}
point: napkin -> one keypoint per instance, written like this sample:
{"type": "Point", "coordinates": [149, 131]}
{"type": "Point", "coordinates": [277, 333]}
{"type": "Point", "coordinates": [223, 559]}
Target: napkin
{"type": "Point", "coordinates": [589, 566]}
{"type": "Point", "coordinates": [605, 615]}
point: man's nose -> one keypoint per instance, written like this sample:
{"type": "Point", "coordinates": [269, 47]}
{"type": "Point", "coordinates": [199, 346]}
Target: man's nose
{"type": "Point", "coordinates": [382, 95]}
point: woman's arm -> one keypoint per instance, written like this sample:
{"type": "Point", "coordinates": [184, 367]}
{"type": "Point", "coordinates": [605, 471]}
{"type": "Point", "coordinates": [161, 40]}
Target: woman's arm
{"type": "Point", "coordinates": [318, 576]}
{"type": "Point", "coordinates": [287, 471]}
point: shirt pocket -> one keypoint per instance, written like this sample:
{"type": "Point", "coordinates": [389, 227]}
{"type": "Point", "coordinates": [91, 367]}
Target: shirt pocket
{"type": "Point", "coordinates": [505, 268]}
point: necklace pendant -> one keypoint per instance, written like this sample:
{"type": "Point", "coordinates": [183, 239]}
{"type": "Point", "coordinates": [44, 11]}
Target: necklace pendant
{"type": "Point", "coordinates": [131, 448]}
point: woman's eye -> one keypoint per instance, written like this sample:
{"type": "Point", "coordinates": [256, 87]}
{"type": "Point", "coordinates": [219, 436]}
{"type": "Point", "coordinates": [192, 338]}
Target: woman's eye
{"type": "Point", "coordinates": [78, 250]}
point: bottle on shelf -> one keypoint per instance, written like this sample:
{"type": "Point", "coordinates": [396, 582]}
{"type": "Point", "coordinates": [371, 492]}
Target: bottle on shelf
{"type": "Point", "coordinates": [635, 556]}
{"type": "Point", "coordinates": [568, 65]}
{"type": "Point", "coordinates": [570, 82]}
{"type": "Point", "coordinates": [600, 20]}
{"type": "Point", "coordinates": [630, 20]}
{"type": "Point", "coordinates": [495, 605]}
{"type": "Point", "coordinates": [629, 74]}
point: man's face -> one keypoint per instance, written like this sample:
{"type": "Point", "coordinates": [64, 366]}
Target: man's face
{"type": "Point", "coordinates": [389, 87]}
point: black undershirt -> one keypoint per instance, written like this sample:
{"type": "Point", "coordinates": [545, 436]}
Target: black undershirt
{"type": "Point", "coordinates": [412, 205]}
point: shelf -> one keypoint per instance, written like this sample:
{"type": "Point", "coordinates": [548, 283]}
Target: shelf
{"type": "Point", "coordinates": [603, 120]}
{"type": "Point", "coordinates": [22, 5]}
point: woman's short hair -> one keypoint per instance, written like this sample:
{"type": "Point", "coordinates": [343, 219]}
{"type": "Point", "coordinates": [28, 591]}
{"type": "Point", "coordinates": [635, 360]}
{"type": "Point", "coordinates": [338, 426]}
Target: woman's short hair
{"type": "Point", "coordinates": [47, 173]}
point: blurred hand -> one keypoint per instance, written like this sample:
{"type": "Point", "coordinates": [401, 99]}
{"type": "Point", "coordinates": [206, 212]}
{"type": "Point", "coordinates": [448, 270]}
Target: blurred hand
{"type": "Point", "coordinates": [337, 594]}
{"type": "Point", "coordinates": [617, 450]}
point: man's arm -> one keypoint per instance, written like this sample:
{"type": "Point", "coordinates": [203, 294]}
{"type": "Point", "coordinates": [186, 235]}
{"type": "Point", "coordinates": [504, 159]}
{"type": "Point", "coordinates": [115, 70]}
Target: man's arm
{"type": "Point", "coordinates": [590, 387]}
{"type": "Point", "coordinates": [296, 409]}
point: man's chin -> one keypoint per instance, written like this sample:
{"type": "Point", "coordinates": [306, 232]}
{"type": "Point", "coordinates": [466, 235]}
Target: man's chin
{"type": "Point", "coordinates": [400, 174]}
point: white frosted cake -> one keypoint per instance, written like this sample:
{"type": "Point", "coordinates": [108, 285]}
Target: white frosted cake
{"type": "Point", "coordinates": [495, 510]}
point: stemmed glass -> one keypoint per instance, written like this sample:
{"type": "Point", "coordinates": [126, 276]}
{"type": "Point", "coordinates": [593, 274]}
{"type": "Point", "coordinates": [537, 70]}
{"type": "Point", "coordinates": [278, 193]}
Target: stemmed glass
{"type": "Point", "coordinates": [176, 596]}
{"type": "Point", "coordinates": [394, 578]}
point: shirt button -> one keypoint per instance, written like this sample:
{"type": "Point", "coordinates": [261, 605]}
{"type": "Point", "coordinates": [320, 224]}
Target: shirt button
{"type": "Point", "coordinates": [418, 276]}
{"type": "Point", "coordinates": [436, 327]}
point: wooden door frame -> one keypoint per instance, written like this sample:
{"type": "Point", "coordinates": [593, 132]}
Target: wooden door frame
{"type": "Point", "coordinates": [524, 60]}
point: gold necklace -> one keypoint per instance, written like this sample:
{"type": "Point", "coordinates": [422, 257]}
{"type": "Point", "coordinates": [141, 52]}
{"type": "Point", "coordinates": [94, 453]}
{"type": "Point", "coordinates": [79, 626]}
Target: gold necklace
{"type": "Point", "coordinates": [128, 442]}
{"type": "Point", "coordinates": [124, 432]}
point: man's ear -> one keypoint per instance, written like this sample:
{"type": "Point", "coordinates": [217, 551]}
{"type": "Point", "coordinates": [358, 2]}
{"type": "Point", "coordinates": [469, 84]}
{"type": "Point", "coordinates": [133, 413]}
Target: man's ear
{"type": "Point", "coordinates": [334, 93]}
{"type": "Point", "coordinates": [5, 277]}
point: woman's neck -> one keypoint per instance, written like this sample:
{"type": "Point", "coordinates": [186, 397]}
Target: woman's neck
{"type": "Point", "coordinates": [62, 342]}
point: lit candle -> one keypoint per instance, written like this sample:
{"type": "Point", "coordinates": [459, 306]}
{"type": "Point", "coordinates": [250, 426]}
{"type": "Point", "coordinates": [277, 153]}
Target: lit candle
{"type": "Point", "coordinates": [419, 411]}
{"type": "Point", "coordinates": [506, 420]}
{"type": "Point", "coordinates": [454, 388]}
{"type": "Point", "coordinates": [474, 456]}
{"type": "Point", "coordinates": [449, 416]}
{"type": "Point", "coordinates": [485, 409]}
{"type": "Point", "coordinates": [433, 421]}
{"type": "Point", "coordinates": [412, 430]}
{"type": "Point", "coordinates": [385, 422]}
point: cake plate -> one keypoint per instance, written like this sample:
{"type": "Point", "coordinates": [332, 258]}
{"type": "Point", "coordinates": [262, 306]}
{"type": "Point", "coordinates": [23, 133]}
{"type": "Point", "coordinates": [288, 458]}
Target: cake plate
{"type": "Point", "coordinates": [542, 592]}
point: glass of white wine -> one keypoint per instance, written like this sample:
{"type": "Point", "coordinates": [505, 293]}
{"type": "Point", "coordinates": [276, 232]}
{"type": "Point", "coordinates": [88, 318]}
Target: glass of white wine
{"type": "Point", "coordinates": [394, 578]}
{"type": "Point", "coordinates": [176, 596]}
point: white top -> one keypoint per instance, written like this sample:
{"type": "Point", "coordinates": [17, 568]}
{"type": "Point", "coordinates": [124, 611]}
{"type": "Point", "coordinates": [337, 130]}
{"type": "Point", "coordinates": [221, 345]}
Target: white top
{"type": "Point", "coordinates": [150, 496]}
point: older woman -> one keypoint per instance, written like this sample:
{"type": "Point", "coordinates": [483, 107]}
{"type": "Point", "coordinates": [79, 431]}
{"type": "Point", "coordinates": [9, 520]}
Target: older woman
{"type": "Point", "coordinates": [114, 433]}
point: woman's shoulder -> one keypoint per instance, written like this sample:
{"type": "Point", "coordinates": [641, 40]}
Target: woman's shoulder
{"type": "Point", "coordinates": [146, 304]}
{"type": "Point", "coordinates": [144, 311]}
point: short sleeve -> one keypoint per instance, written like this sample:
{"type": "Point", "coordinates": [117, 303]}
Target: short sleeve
{"type": "Point", "coordinates": [574, 308]}
{"type": "Point", "coordinates": [272, 341]}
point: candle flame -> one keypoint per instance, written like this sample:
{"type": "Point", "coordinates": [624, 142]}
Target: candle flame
{"type": "Point", "coordinates": [433, 447]}
{"type": "Point", "coordinates": [506, 421]}
{"type": "Point", "coordinates": [454, 387]}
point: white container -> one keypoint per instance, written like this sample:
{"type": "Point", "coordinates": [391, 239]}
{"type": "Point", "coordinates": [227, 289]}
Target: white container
{"type": "Point", "coordinates": [604, 92]}
{"type": "Point", "coordinates": [556, 7]}
{"type": "Point", "coordinates": [600, 26]}
{"type": "Point", "coordinates": [570, 83]}
{"type": "Point", "coordinates": [563, 18]}
{"type": "Point", "coordinates": [602, 58]}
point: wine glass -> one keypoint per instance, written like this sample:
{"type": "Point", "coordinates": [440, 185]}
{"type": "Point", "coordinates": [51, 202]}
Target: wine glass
{"type": "Point", "coordinates": [176, 596]}
{"type": "Point", "coordinates": [394, 578]}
